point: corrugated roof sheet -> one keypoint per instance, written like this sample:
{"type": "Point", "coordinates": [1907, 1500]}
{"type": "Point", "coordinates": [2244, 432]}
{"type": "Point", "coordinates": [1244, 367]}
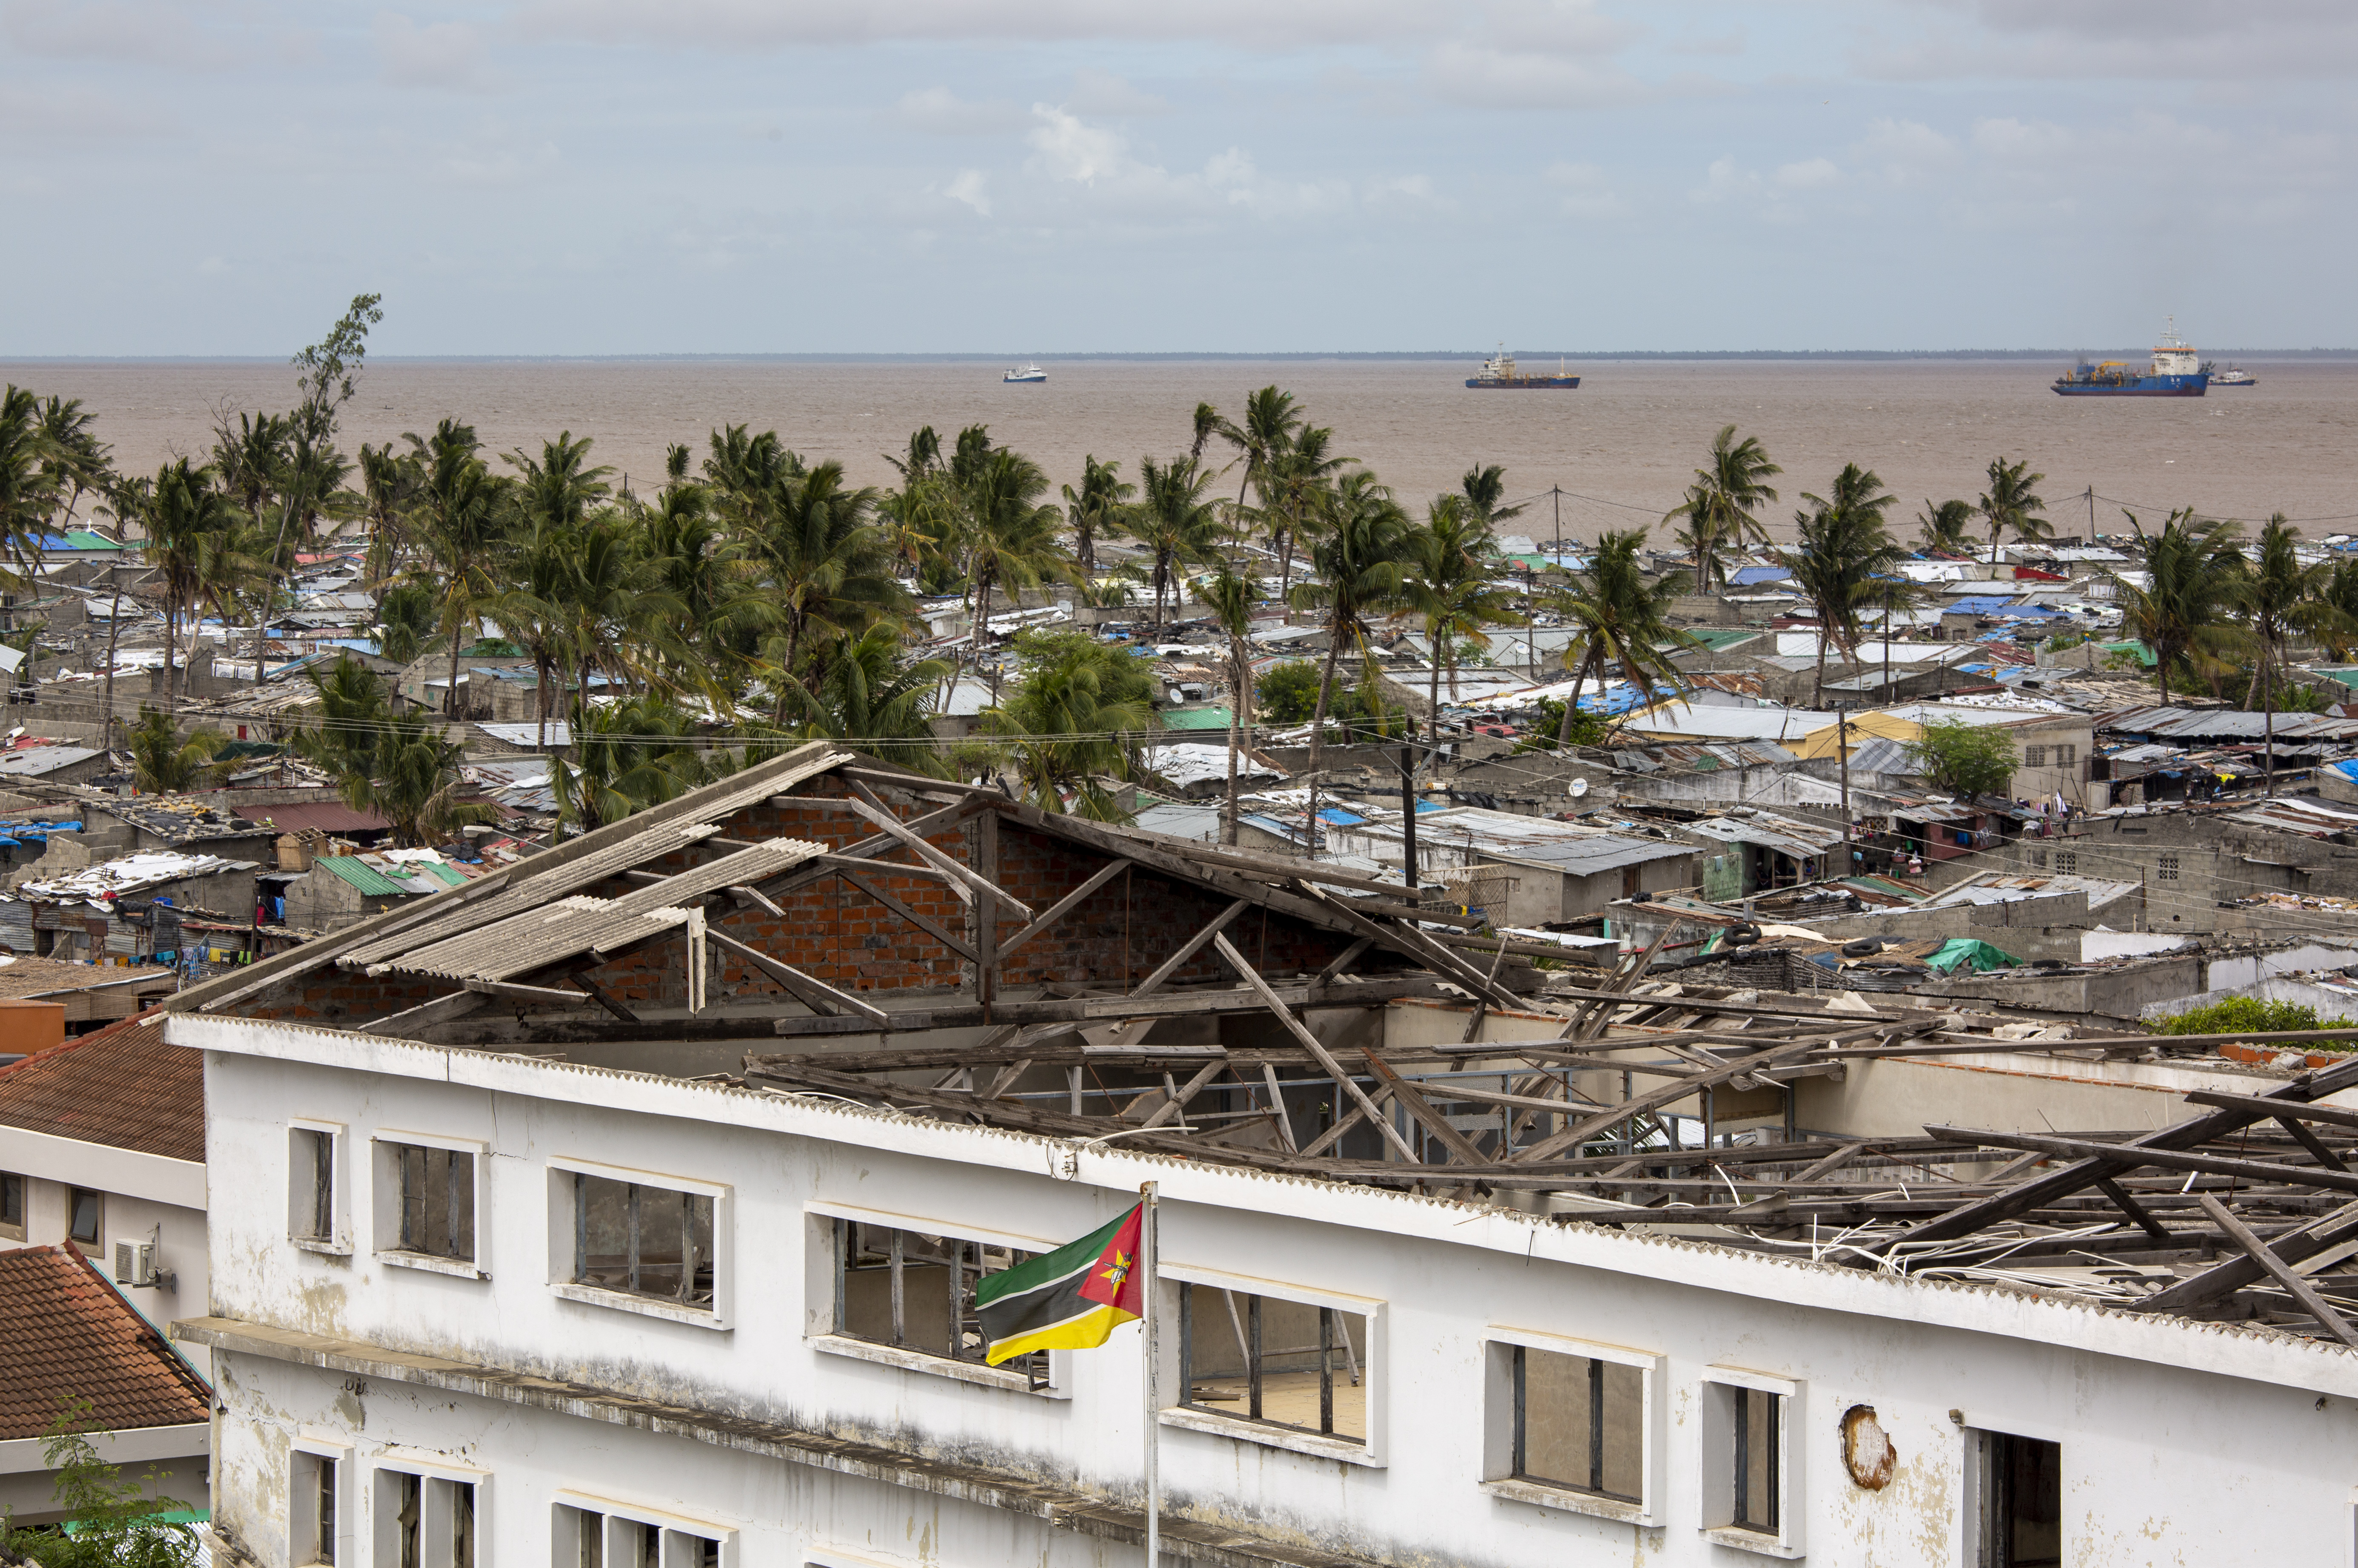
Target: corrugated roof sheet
{"type": "Point", "coordinates": [1571, 848]}
{"type": "Point", "coordinates": [1786, 835]}
{"type": "Point", "coordinates": [71, 1337]}
{"type": "Point", "coordinates": [326, 815]}
{"type": "Point", "coordinates": [119, 1085]}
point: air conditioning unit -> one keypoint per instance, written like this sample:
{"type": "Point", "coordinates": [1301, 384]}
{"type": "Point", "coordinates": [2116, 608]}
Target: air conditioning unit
{"type": "Point", "coordinates": [135, 1263]}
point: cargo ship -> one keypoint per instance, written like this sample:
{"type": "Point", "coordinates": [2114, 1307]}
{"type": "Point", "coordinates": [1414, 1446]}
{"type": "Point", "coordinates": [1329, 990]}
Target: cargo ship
{"type": "Point", "coordinates": [1499, 370]}
{"type": "Point", "coordinates": [2176, 373]}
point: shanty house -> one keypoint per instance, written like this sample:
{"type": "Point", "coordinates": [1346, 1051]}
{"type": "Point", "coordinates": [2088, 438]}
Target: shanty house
{"type": "Point", "coordinates": [1548, 870]}
{"type": "Point", "coordinates": [341, 890]}
{"type": "Point", "coordinates": [1753, 851]}
{"type": "Point", "coordinates": [133, 906]}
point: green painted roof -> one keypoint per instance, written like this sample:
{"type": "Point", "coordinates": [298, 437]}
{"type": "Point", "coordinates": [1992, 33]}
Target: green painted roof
{"type": "Point", "coordinates": [1197, 719]}
{"type": "Point", "coordinates": [83, 540]}
{"type": "Point", "coordinates": [1718, 637]}
{"type": "Point", "coordinates": [373, 883]}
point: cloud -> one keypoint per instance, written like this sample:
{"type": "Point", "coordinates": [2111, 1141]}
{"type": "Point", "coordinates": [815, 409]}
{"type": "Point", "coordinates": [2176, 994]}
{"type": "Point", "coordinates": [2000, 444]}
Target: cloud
{"type": "Point", "coordinates": [122, 30]}
{"type": "Point", "coordinates": [1905, 152]}
{"type": "Point", "coordinates": [495, 158]}
{"type": "Point", "coordinates": [973, 188]}
{"type": "Point", "coordinates": [1069, 150]}
{"type": "Point", "coordinates": [1811, 174]}
{"type": "Point", "coordinates": [1480, 76]}
{"type": "Point", "coordinates": [2256, 40]}
{"type": "Point", "coordinates": [1588, 191]}
{"type": "Point", "coordinates": [939, 111]}
{"type": "Point", "coordinates": [448, 56]}
{"type": "Point", "coordinates": [770, 25]}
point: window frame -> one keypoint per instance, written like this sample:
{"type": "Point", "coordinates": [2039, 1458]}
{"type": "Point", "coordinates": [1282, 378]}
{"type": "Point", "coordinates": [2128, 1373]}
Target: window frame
{"type": "Point", "coordinates": [1374, 1363]}
{"type": "Point", "coordinates": [1979, 1463]}
{"type": "Point", "coordinates": [385, 1202]}
{"type": "Point", "coordinates": [338, 1242]}
{"type": "Point", "coordinates": [303, 1456]}
{"type": "Point", "coordinates": [15, 1229]}
{"type": "Point", "coordinates": [1498, 1479]}
{"type": "Point", "coordinates": [566, 1507]}
{"type": "Point", "coordinates": [822, 1250]}
{"type": "Point", "coordinates": [563, 1169]}
{"type": "Point", "coordinates": [95, 1245]}
{"type": "Point", "coordinates": [1717, 1472]}
{"type": "Point", "coordinates": [438, 1479]}
{"type": "Point", "coordinates": [2034, 756]}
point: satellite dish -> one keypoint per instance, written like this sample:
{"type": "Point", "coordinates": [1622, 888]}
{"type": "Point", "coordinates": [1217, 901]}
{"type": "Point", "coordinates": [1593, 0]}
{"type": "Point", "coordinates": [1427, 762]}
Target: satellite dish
{"type": "Point", "coordinates": [1579, 788]}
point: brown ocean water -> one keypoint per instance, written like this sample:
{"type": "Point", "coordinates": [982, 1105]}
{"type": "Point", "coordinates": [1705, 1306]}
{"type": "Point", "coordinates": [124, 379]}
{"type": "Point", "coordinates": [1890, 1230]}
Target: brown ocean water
{"type": "Point", "coordinates": [1622, 446]}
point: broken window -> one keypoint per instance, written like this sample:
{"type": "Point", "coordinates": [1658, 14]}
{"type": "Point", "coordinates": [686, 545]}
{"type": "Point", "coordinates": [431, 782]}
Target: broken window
{"type": "Point", "coordinates": [1759, 1443]}
{"type": "Point", "coordinates": [1749, 1460]}
{"type": "Point", "coordinates": [643, 1240]}
{"type": "Point", "coordinates": [1578, 1423]}
{"type": "Point", "coordinates": [585, 1537]}
{"type": "Point", "coordinates": [424, 1521]}
{"type": "Point", "coordinates": [915, 1291]}
{"type": "Point", "coordinates": [12, 1206]}
{"type": "Point", "coordinates": [312, 1512]}
{"type": "Point", "coordinates": [435, 1200]}
{"type": "Point", "coordinates": [1268, 1360]}
{"type": "Point", "coordinates": [85, 1212]}
{"type": "Point", "coordinates": [311, 1184]}
{"type": "Point", "coordinates": [2019, 1520]}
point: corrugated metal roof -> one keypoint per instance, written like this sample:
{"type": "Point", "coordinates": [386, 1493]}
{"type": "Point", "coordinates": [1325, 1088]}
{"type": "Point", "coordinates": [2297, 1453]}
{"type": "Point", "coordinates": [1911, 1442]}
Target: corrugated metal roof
{"type": "Point", "coordinates": [2226, 724]}
{"type": "Point", "coordinates": [2001, 887]}
{"type": "Point", "coordinates": [1786, 835]}
{"type": "Point", "coordinates": [1570, 848]}
{"type": "Point", "coordinates": [2296, 814]}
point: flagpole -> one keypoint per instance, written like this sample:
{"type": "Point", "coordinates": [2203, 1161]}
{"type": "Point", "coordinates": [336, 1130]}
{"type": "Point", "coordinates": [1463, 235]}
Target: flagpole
{"type": "Point", "coordinates": [1148, 1246]}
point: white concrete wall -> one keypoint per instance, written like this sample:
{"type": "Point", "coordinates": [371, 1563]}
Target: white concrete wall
{"type": "Point", "coordinates": [146, 1197]}
{"type": "Point", "coordinates": [2191, 1442]}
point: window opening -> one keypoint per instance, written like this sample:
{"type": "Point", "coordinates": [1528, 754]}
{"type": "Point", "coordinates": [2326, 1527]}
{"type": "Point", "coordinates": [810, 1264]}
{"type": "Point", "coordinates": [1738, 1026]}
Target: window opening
{"type": "Point", "coordinates": [2022, 1502]}
{"type": "Point", "coordinates": [408, 1502]}
{"type": "Point", "coordinates": [462, 1524]}
{"type": "Point", "coordinates": [2068, 861]}
{"type": "Point", "coordinates": [82, 1210]}
{"type": "Point", "coordinates": [12, 1201]}
{"type": "Point", "coordinates": [1759, 1417]}
{"type": "Point", "coordinates": [322, 1477]}
{"type": "Point", "coordinates": [2166, 869]}
{"type": "Point", "coordinates": [2034, 756]}
{"type": "Point", "coordinates": [438, 1201]}
{"type": "Point", "coordinates": [1578, 1423]}
{"type": "Point", "coordinates": [1280, 1362]}
{"type": "Point", "coordinates": [915, 1291]}
{"type": "Point", "coordinates": [600, 1539]}
{"type": "Point", "coordinates": [2066, 755]}
{"type": "Point", "coordinates": [315, 1176]}
{"type": "Point", "coordinates": [641, 1240]}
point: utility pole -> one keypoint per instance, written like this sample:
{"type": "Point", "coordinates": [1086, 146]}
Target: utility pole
{"type": "Point", "coordinates": [2091, 516]}
{"type": "Point", "coordinates": [1887, 644]}
{"type": "Point", "coordinates": [1556, 493]}
{"type": "Point", "coordinates": [1842, 750]}
{"type": "Point", "coordinates": [1408, 808]}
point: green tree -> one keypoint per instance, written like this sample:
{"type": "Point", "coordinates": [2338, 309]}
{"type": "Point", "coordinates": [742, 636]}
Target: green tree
{"type": "Point", "coordinates": [1231, 596]}
{"type": "Point", "coordinates": [870, 696]}
{"type": "Point", "coordinates": [1484, 490]}
{"type": "Point", "coordinates": [1074, 719]}
{"type": "Point", "coordinates": [2193, 566]}
{"type": "Point", "coordinates": [1300, 477]}
{"type": "Point", "coordinates": [1944, 526]}
{"type": "Point", "coordinates": [1360, 560]}
{"type": "Point", "coordinates": [1287, 693]}
{"type": "Point", "coordinates": [392, 763]}
{"type": "Point", "coordinates": [1175, 522]}
{"type": "Point", "coordinates": [2012, 505]}
{"type": "Point", "coordinates": [1262, 438]}
{"type": "Point", "coordinates": [627, 756]}
{"type": "Point", "coordinates": [2281, 597]}
{"type": "Point", "coordinates": [27, 490]}
{"type": "Point", "coordinates": [408, 621]}
{"type": "Point", "coordinates": [1966, 759]}
{"type": "Point", "coordinates": [1448, 588]}
{"type": "Point", "coordinates": [111, 1520]}
{"type": "Point", "coordinates": [1844, 560]}
{"type": "Point", "coordinates": [185, 517]}
{"type": "Point", "coordinates": [1619, 621]}
{"type": "Point", "coordinates": [1010, 533]}
{"type": "Point", "coordinates": [327, 375]}
{"type": "Point", "coordinates": [163, 762]}
{"type": "Point", "coordinates": [1721, 507]}
{"type": "Point", "coordinates": [464, 513]}
{"type": "Point", "coordinates": [1095, 510]}
{"type": "Point", "coordinates": [77, 464]}
{"type": "Point", "coordinates": [821, 563]}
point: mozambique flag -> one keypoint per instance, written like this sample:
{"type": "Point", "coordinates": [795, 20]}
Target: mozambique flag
{"type": "Point", "coordinates": [1071, 1299]}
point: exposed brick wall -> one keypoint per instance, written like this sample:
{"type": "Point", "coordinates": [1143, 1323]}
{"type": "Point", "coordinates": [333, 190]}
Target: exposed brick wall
{"type": "Point", "coordinates": [837, 934]}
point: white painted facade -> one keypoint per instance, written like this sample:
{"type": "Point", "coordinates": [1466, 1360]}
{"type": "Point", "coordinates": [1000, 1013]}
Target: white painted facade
{"type": "Point", "coordinates": [2179, 1441]}
{"type": "Point", "coordinates": [141, 1198]}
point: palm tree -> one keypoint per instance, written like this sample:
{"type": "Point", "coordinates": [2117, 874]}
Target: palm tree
{"type": "Point", "coordinates": [1095, 509]}
{"type": "Point", "coordinates": [184, 515]}
{"type": "Point", "coordinates": [394, 764]}
{"type": "Point", "coordinates": [870, 698]}
{"type": "Point", "coordinates": [26, 492]}
{"type": "Point", "coordinates": [1175, 523]}
{"type": "Point", "coordinates": [77, 464]}
{"type": "Point", "coordinates": [2193, 566]}
{"type": "Point", "coordinates": [627, 756]}
{"type": "Point", "coordinates": [389, 483]}
{"type": "Point", "coordinates": [1845, 556]}
{"type": "Point", "coordinates": [1722, 507]}
{"type": "Point", "coordinates": [1072, 721]}
{"type": "Point", "coordinates": [825, 567]}
{"type": "Point", "coordinates": [129, 500]}
{"type": "Point", "coordinates": [2281, 596]}
{"type": "Point", "coordinates": [1207, 425]}
{"type": "Point", "coordinates": [1485, 491]}
{"type": "Point", "coordinates": [1449, 587]}
{"type": "Point", "coordinates": [1299, 479]}
{"type": "Point", "coordinates": [1944, 526]}
{"type": "Point", "coordinates": [1360, 561]}
{"type": "Point", "coordinates": [1620, 621]}
{"type": "Point", "coordinates": [2012, 502]}
{"type": "Point", "coordinates": [1272, 420]}
{"type": "Point", "coordinates": [464, 512]}
{"type": "Point", "coordinates": [162, 763]}
{"type": "Point", "coordinates": [1232, 598]}
{"type": "Point", "coordinates": [1010, 533]}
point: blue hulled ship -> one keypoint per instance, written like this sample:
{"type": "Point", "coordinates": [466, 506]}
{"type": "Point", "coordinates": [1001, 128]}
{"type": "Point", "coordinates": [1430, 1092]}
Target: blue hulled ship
{"type": "Point", "coordinates": [2176, 373]}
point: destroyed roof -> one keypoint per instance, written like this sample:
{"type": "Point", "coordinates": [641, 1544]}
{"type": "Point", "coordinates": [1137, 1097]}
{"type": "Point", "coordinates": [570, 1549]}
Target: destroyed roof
{"type": "Point", "coordinates": [2296, 814]}
{"type": "Point", "coordinates": [119, 1085]}
{"type": "Point", "coordinates": [1690, 720]}
{"type": "Point", "coordinates": [327, 815]}
{"type": "Point", "coordinates": [129, 873]}
{"type": "Point", "coordinates": [554, 732]}
{"type": "Point", "coordinates": [2225, 724]}
{"type": "Point", "coordinates": [2003, 887]}
{"type": "Point", "coordinates": [1574, 848]}
{"type": "Point", "coordinates": [1700, 758]}
{"type": "Point", "coordinates": [1188, 763]}
{"type": "Point", "coordinates": [71, 1337]}
{"type": "Point", "coordinates": [1750, 824]}
{"type": "Point", "coordinates": [175, 818]}
{"type": "Point", "coordinates": [376, 877]}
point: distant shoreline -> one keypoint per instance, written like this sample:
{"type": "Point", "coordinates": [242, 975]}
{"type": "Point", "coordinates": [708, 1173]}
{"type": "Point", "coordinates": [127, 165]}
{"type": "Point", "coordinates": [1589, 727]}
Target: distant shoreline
{"type": "Point", "coordinates": [1588, 356]}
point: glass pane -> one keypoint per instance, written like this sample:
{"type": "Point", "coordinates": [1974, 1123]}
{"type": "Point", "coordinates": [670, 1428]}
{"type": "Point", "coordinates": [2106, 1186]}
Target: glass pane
{"type": "Point", "coordinates": [85, 1227]}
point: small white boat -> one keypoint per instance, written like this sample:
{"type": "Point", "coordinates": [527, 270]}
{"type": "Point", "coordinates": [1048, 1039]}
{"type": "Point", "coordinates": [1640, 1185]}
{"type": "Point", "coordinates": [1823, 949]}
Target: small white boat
{"type": "Point", "coordinates": [2232, 376]}
{"type": "Point", "coordinates": [1024, 373]}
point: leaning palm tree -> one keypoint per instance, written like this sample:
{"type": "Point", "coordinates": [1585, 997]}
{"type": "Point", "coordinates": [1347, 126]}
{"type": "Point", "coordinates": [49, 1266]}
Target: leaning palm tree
{"type": "Point", "coordinates": [1178, 526]}
{"type": "Point", "coordinates": [1074, 719]}
{"type": "Point", "coordinates": [164, 762]}
{"type": "Point", "coordinates": [1010, 533]}
{"type": "Point", "coordinates": [1484, 490]}
{"type": "Point", "coordinates": [1943, 526]}
{"type": "Point", "coordinates": [1721, 507]}
{"type": "Point", "coordinates": [2012, 505]}
{"type": "Point", "coordinates": [1207, 425]}
{"type": "Point", "coordinates": [1449, 587]}
{"type": "Point", "coordinates": [2280, 597]}
{"type": "Point", "coordinates": [1620, 621]}
{"type": "Point", "coordinates": [872, 698]}
{"type": "Point", "coordinates": [77, 465]}
{"type": "Point", "coordinates": [183, 518]}
{"type": "Point", "coordinates": [1232, 598]}
{"type": "Point", "coordinates": [2193, 566]}
{"type": "Point", "coordinates": [27, 494]}
{"type": "Point", "coordinates": [1844, 560]}
{"type": "Point", "coordinates": [1300, 478]}
{"type": "Point", "coordinates": [1270, 422]}
{"type": "Point", "coordinates": [1361, 561]}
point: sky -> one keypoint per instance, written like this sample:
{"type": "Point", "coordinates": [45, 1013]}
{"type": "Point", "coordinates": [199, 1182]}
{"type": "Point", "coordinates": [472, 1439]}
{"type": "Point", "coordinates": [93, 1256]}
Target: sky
{"type": "Point", "coordinates": [648, 176]}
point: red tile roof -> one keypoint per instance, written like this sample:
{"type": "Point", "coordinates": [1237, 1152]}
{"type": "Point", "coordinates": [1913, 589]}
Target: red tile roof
{"type": "Point", "coordinates": [119, 1085]}
{"type": "Point", "coordinates": [72, 1336]}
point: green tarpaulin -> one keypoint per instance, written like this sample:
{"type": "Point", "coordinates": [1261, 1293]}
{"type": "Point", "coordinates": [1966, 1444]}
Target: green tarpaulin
{"type": "Point", "coordinates": [1960, 951]}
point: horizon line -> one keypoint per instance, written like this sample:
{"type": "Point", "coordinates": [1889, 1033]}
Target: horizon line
{"type": "Point", "coordinates": [1180, 356]}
